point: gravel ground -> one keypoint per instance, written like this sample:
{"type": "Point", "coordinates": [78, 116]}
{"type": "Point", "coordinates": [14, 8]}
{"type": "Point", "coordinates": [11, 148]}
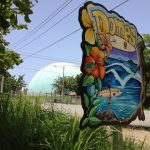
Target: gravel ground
{"type": "Point", "coordinates": [77, 109]}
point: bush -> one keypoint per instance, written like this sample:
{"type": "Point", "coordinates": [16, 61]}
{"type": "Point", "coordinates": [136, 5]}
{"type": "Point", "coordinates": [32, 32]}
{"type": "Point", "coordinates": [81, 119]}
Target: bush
{"type": "Point", "coordinates": [25, 126]}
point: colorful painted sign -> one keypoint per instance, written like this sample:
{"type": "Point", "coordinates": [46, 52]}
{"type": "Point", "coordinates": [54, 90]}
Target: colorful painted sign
{"type": "Point", "coordinates": [113, 83]}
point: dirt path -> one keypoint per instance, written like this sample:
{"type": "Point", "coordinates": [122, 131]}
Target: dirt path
{"type": "Point", "coordinates": [137, 134]}
{"type": "Point", "coordinates": [77, 109]}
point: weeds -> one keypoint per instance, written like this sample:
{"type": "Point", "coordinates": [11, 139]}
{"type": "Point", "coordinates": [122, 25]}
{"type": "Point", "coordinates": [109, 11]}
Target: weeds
{"type": "Point", "coordinates": [24, 125]}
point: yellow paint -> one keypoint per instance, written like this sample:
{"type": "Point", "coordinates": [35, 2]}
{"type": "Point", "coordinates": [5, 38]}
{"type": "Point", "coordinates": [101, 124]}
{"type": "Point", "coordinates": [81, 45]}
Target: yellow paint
{"type": "Point", "coordinates": [119, 43]}
{"type": "Point", "coordinates": [114, 26]}
{"type": "Point", "coordinates": [110, 92]}
{"type": "Point", "coordinates": [101, 22]}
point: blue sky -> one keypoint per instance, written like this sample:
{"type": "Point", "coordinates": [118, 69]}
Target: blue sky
{"type": "Point", "coordinates": [135, 11]}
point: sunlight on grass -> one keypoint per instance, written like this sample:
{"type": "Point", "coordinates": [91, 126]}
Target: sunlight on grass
{"type": "Point", "coordinates": [25, 125]}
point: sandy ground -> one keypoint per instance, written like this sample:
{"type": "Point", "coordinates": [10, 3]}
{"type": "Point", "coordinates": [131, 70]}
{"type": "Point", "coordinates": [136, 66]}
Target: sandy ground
{"type": "Point", "coordinates": [77, 109]}
{"type": "Point", "coordinates": [139, 134]}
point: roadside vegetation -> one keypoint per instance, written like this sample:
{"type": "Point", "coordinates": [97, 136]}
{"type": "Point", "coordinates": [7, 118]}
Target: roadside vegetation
{"type": "Point", "coordinates": [25, 125]}
{"type": "Point", "coordinates": [147, 68]}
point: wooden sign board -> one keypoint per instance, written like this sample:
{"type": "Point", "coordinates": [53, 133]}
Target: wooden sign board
{"type": "Point", "coordinates": [113, 82]}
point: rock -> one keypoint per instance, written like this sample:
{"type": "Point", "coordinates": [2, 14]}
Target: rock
{"type": "Point", "coordinates": [106, 115]}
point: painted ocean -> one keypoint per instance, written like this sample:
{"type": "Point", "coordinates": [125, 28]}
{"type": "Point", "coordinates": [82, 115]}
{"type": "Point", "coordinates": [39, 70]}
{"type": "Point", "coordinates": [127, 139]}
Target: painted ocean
{"type": "Point", "coordinates": [124, 105]}
{"type": "Point", "coordinates": [121, 74]}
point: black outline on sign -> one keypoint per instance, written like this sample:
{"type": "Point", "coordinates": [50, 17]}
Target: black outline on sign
{"type": "Point", "coordinates": [83, 43]}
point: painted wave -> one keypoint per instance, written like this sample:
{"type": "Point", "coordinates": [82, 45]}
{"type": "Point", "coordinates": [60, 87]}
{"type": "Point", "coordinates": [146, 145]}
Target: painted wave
{"type": "Point", "coordinates": [117, 74]}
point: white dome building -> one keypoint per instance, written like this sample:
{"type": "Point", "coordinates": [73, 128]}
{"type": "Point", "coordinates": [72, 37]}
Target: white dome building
{"type": "Point", "coordinates": [44, 78]}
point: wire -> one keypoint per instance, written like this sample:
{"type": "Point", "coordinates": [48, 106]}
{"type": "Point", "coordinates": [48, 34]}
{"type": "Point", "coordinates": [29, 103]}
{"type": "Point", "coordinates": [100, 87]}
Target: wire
{"type": "Point", "coordinates": [30, 42]}
{"type": "Point", "coordinates": [26, 68]}
{"type": "Point", "coordinates": [53, 43]}
{"type": "Point", "coordinates": [42, 24]}
{"type": "Point", "coordinates": [56, 59]}
{"type": "Point", "coordinates": [64, 37]}
{"type": "Point", "coordinates": [120, 4]}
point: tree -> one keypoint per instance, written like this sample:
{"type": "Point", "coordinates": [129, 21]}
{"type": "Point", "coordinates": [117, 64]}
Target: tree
{"type": "Point", "coordinates": [70, 84]}
{"type": "Point", "coordinates": [8, 59]}
{"type": "Point", "coordinates": [78, 81]}
{"type": "Point", "coordinates": [147, 40]}
{"type": "Point", "coordinates": [147, 67]}
{"type": "Point", "coordinates": [14, 84]}
{"type": "Point", "coordinates": [9, 12]}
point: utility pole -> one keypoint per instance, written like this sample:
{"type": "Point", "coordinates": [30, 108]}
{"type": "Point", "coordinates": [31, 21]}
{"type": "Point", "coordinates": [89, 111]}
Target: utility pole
{"type": "Point", "coordinates": [62, 83]}
{"type": "Point", "coordinates": [2, 84]}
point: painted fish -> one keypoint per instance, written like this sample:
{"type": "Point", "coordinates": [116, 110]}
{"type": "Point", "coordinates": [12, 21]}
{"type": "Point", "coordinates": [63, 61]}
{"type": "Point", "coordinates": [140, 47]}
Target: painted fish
{"type": "Point", "coordinates": [110, 92]}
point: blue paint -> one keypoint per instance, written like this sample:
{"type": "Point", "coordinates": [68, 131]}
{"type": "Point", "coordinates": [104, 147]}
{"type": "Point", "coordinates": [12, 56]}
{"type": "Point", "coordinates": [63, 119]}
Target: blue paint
{"type": "Point", "coordinates": [120, 73]}
{"type": "Point", "coordinates": [124, 105]}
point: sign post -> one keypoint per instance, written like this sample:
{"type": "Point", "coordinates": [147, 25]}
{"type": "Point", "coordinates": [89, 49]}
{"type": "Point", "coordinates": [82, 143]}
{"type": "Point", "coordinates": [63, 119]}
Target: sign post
{"type": "Point", "coordinates": [2, 84]}
{"type": "Point", "coordinates": [117, 138]}
{"type": "Point", "coordinates": [113, 82]}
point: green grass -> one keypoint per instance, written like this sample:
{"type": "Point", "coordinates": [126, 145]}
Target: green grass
{"type": "Point", "coordinates": [51, 98]}
{"type": "Point", "coordinates": [132, 144]}
{"type": "Point", "coordinates": [24, 125]}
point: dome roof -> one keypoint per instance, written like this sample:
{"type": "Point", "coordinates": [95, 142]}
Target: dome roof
{"type": "Point", "coordinates": [44, 78]}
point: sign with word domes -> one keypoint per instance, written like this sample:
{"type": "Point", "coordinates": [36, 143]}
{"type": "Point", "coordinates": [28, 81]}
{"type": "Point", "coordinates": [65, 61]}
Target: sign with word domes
{"type": "Point", "coordinates": [113, 82]}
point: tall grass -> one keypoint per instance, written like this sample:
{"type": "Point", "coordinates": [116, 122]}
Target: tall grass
{"type": "Point", "coordinates": [132, 144]}
{"type": "Point", "coordinates": [24, 125]}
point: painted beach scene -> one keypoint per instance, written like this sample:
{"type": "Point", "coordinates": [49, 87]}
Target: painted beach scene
{"type": "Point", "coordinates": [121, 86]}
{"type": "Point", "coordinates": [113, 79]}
